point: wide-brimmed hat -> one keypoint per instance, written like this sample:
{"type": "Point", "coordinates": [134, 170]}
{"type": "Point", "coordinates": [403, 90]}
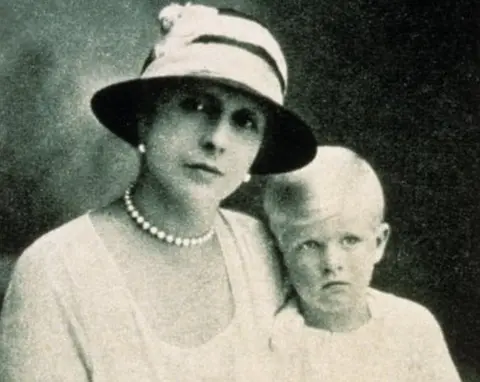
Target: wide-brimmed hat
{"type": "Point", "coordinates": [203, 43]}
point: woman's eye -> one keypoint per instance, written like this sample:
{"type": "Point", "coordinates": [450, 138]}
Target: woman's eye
{"type": "Point", "coordinates": [244, 119]}
{"type": "Point", "coordinates": [193, 104]}
{"type": "Point", "coordinates": [350, 240]}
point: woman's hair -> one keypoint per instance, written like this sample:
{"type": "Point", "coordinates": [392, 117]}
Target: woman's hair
{"type": "Point", "coordinates": [153, 96]}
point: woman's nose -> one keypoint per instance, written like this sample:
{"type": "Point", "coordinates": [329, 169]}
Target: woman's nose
{"type": "Point", "coordinates": [217, 135]}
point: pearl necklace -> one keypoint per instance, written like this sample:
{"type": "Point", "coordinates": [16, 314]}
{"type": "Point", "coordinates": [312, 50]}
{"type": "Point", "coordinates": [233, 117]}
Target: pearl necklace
{"type": "Point", "coordinates": [158, 233]}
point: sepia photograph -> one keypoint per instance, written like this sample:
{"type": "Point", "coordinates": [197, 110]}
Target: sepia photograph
{"type": "Point", "coordinates": [257, 190]}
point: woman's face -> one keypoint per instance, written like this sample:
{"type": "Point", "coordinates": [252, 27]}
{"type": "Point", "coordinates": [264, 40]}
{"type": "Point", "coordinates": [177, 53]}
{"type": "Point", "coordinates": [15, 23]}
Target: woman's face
{"type": "Point", "coordinates": [202, 139]}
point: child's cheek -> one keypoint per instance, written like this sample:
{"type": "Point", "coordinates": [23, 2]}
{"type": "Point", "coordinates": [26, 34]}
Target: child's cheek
{"type": "Point", "coordinates": [308, 266]}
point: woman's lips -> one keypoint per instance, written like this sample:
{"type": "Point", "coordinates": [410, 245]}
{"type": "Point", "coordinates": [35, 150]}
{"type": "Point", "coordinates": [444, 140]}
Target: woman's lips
{"type": "Point", "coordinates": [206, 167]}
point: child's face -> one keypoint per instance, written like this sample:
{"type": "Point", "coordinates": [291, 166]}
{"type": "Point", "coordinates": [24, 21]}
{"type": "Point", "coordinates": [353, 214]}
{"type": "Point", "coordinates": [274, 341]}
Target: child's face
{"type": "Point", "coordinates": [330, 257]}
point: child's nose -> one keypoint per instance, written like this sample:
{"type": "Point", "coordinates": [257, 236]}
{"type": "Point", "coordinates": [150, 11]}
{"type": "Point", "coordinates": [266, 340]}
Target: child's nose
{"type": "Point", "coordinates": [333, 260]}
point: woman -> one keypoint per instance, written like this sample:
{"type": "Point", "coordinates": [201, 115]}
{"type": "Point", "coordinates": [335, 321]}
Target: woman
{"type": "Point", "coordinates": [163, 285]}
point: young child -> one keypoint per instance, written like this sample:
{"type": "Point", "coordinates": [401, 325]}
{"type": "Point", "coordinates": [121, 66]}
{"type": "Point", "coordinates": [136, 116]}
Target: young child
{"type": "Point", "coordinates": [328, 221]}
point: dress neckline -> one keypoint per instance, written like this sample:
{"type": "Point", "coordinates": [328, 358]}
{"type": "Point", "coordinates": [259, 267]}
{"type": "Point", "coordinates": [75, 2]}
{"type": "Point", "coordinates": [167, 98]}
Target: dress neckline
{"type": "Point", "coordinates": [227, 242]}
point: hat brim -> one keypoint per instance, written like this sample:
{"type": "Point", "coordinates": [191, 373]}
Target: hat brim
{"type": "Point", "coordinates": [289, 143]}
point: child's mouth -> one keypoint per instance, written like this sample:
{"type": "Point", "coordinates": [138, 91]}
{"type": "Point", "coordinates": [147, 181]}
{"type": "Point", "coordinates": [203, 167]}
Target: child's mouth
{"type": "Point", "coordinates": [332, 284]}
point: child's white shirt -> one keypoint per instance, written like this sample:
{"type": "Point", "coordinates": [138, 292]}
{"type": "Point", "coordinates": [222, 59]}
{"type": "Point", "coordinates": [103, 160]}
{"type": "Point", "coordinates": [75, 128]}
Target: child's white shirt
{"type": "Point", "coordinates": [401, 342]}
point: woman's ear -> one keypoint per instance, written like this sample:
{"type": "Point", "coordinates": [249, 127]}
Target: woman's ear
{"type": "Point", "coordinates": [381, 237]}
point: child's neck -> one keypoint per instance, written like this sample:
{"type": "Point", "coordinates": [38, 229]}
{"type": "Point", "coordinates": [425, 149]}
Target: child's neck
{"type": "Point", "coordinates": [345, 320]}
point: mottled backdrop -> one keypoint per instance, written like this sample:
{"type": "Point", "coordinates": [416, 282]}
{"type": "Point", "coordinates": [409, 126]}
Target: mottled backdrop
{"type": "Point", "coordinates": [396, 80]}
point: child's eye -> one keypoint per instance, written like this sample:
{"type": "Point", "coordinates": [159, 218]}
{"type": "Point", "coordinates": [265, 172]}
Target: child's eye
{"type": "Point", "coordinates": [309, 245]}
{"type": "Point", "coordinates": [350, 240]}
{"type": "Point", "coordinates": [245, 119]}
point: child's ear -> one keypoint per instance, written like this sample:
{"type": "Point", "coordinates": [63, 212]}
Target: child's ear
{"type": "Point", "coordinates": [382, 236]}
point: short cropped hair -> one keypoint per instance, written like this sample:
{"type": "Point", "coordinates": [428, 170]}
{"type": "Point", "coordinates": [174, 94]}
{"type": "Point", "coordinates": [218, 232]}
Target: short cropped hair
{"type": "Point", "coordinates": [336, 175]}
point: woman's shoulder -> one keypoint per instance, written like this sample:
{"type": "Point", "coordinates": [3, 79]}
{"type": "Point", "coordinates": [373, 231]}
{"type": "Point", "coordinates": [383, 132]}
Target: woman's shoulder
{"type": "Point", "coordinates": [252, 231]}
{"type": "Point", "coordinates": [246, 224]}
{"type": "Point", "coordinates": [70, 234]}
{"type": "Point", "coordinates": [60, 246]}
{"type": "Point", "coordinates": [241, 218]}
{"type": "Point", "coordinates": [261, 260]}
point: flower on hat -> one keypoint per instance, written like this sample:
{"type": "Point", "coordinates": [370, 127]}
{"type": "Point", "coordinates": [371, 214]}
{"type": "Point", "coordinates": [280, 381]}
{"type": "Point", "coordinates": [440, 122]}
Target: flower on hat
{"type": "Point", "coordinates": [169, 15]}
{"type": "Point", "coordinates": [181, 24]}
{"type": "Point", "coordinates": [195, 17]}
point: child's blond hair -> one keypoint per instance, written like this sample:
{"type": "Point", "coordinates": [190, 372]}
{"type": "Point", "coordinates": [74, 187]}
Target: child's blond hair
{"type": "Point", "coordinates": [337, 176]}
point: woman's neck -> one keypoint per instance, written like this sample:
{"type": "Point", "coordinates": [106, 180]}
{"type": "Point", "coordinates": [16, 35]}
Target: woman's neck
{"type": "Point", "coordinates": [173, 212]}
{"type": "Point", "coordinates": [341, 320]}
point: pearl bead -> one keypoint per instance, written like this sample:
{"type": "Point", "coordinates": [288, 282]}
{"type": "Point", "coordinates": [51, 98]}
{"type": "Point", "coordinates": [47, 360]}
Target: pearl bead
{"type": "Point", "coordinates": [154, 231]}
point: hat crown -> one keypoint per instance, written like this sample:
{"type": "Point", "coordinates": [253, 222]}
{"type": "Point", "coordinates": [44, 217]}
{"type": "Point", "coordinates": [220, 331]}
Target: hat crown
{"type": "Point", "coordinates": [206, 41]}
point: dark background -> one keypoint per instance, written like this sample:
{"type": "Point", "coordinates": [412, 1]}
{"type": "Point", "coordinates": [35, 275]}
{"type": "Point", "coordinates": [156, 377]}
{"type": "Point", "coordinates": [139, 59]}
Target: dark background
{"type": "Point", "coordinates": [395, 80]}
